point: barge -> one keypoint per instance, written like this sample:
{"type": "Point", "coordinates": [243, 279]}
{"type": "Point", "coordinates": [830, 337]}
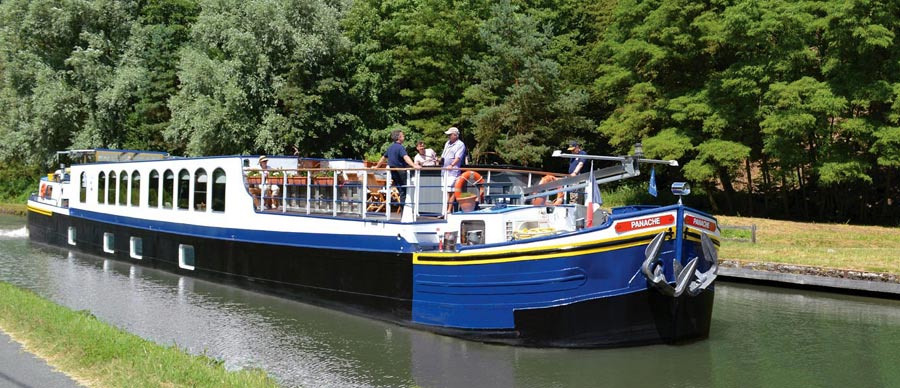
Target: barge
{"type": "Point", "coordinates": [514, 268]}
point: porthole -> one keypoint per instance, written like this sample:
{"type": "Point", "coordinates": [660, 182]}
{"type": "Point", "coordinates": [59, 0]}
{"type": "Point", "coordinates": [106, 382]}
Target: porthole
{"type": "Point", "coordinates": [186, 256]}
{"type": "Point", "coordinates": [109, 243]}
{"type": "Point", "coordinates": [137, 248]}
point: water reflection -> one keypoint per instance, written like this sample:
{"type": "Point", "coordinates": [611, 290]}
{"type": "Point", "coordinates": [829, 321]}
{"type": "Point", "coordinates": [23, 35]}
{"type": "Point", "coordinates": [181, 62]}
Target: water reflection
{"type": "Point", "coordinates": [760, 336]}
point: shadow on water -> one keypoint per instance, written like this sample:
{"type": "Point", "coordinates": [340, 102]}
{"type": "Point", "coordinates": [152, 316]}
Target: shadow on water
{"type": "Point", "coordinates": [761, 336]}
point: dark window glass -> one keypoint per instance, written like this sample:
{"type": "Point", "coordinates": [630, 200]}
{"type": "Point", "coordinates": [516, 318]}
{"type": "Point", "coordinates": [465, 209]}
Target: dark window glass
{"type": "Point", "coordinates": [101, 188]}
{"type": "Point", "coordinates": [123, 188]}
{"type": "Point", "coordinates": [184, 182]}
{"type": "Point", "coordinates": [168, 189]}
{"type": "Point", "coordinates": [111, 189]}
{"type": "Point", "coordinates": [218, 190]}
{"type": "Point", "coordinates": [135, 188]}
{"type": "Point", "coordinates": [201, 184]}
{"type": "Point", "coordinates": [153, 191]}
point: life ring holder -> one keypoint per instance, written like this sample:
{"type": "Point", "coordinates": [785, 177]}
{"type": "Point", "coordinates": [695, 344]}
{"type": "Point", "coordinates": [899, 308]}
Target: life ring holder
{"type": "Point", "coordinates": [466, 176]}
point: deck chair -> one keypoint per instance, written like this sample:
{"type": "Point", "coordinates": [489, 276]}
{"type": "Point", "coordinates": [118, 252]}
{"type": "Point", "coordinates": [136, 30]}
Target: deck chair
{"type": "Point", "coordinates": [376, 198]}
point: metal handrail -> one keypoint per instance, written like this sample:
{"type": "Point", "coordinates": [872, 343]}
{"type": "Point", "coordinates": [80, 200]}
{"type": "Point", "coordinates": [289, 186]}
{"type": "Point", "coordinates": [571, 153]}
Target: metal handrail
{"type": "Point", "coordinates": [413, 181]}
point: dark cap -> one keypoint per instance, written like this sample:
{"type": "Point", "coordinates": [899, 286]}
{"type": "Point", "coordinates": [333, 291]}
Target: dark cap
{"type": "Point", "coordinates": [573, 144]}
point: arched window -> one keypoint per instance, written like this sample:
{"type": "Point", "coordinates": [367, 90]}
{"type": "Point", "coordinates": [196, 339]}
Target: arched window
{"type": "Point", "coordinates": [135, 188]}
{"type": "Point", "coordinates": [123, 188]}
{"type": "Point", "coordinates": [111, 189]}
{"type": "Point", "coordinates": [82, 192]}
{"type": "Point", "coordinates": [101, 188]}
{"type": "Point", "coordinates": [218, 190]}
{"type": "Point", "coordinates": [201, 185]}
{"type": "Point", "coordinates": [168, 188]}
{"type": "Point", "coordinates": [153, 191]}
{"type": "Point", "coordinates": [184, 182]}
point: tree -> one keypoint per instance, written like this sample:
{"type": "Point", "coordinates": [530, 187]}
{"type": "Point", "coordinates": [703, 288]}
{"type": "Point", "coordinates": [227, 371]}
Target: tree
{"type": "Point", "coordinates": [518, 101]}
{"type": "Point", "coordinates": [237, 74]}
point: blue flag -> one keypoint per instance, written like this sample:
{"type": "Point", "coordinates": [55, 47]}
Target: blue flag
{"type": "Point", "coordinates": [652, 188]}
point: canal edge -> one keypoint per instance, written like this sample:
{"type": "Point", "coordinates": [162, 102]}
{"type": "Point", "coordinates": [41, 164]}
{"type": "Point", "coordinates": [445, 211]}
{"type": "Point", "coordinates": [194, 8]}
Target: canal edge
{"type": "Point", "coordinates": [880, 285]}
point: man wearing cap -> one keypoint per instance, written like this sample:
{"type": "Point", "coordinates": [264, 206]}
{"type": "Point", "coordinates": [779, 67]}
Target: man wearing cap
{"type": "Point", "coordinates": [452, 157]}
{"type": "Point", "coordinates": [268, 192]}
{"type": "Point", "coordinates": [576, 164]}
{"type": "Point", "coordinates": [396, 157]}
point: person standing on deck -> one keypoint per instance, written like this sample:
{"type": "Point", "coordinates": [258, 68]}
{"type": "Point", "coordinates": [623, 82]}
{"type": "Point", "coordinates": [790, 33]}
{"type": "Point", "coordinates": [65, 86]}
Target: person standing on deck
{"type": "Point", "coordinates": [452, 157]}
{"type": "Point", "coordinates": [575, 166]}
{"type": "Point", "coordinates": [425, 157]}
{"type": "Point", "coordinates": [396, 157]}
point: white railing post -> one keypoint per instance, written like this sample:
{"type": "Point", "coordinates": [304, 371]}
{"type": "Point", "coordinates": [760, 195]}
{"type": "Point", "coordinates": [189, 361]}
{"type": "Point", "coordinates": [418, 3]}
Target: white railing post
{"type": "Point", "coordinates": [418, 187]}
{"type": "Point", "coordinates": [284, 190]}
{"type": "Point", "coordinates": [308, 190]}
{"type": "Point", "coordinates": [388, 195]}
{"type": "Point", "coordinates": [334, 193]}
{"type": "Point", "coordinates": [365, 190]}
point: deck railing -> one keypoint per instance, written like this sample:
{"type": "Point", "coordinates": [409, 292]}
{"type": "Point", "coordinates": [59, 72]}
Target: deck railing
{"type": "Point", "coordinates": [369, 192]}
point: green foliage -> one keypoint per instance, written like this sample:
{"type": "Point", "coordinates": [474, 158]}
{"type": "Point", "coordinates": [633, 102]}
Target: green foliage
{"type": "Point", "coordinates": [714, 156]}
{"type": "Point", "coordinates": [109, 356]}
{"type": "Point", "coordinates": [519, 99]}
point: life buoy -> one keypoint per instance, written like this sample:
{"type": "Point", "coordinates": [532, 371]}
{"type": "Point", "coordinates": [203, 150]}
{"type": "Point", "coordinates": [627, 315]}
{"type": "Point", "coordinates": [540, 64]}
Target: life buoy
{"type": "Point", "coordinates": [542, 201]}
{"type": "Point", "coordinates": [43, 191]}
{"type": "Point", "coordinates": [466, 177]}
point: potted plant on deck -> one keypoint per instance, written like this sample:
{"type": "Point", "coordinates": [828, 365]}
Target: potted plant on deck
{"type": "Point", "coordinates": [254, 178]}
{"type": "Point", "coordinates": [275, 178]}
{"type": "Point", "coordinates": [467, 201]}
{"type": "Point", "coordinates": [324, 178]}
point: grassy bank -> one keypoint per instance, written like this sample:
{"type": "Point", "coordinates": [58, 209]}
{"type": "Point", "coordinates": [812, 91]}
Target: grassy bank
{"type": "Point", "coordinates": [97, 354]}
{"type": "Point", "coordinates": [851, 247]}
{"type": "Point", "coordinates": [12, 208]}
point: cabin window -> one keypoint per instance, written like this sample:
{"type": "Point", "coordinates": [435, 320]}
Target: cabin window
{"type": "Point", "coordinates": [201, 184]}
{"type": "Point", "coordinates": [72, 235]}
{"type": "Point", "coordinates": [123, 188]}
{"type": "Point", "coordinates": [471, 232]}
{"type": "Point", "coordinates": [153, 191]}
{"type": "Point", "coordinates": [184, 181]}
{"type": "Point", "coordinates": [186, 256]}
{"type": "Point", "coordinates": [135, 188]}
{"type": "Point", "coordinates": [137, 248]}
{"type": "Point", "coordinates": [109, 243]}
{"type": "Point", "coordinates": [218, 190]}
{"type": "Point", "coordinates": [111, 189]}
{"type": "Point", "coordinates": [82, 192]}
{"type": "Point", "coordinates": [168, 189]}
{"type": "Point", "coordinates": [101, 188]}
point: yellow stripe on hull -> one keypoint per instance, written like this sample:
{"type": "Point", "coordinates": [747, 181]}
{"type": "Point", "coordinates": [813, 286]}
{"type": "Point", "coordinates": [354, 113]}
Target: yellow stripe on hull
{"type": "Point", "coordinates": [565, 250]}
{"type": "Point", "coordinates": [39, 211]}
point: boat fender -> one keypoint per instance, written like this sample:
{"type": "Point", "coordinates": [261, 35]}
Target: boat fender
{"type": "Point", "coordinates": [469, 176]}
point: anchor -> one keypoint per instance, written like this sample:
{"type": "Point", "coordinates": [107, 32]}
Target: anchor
{"type": "Point", "coordinates": [687, 277]}
{"type": "Point", "coordinates": [704, 279]}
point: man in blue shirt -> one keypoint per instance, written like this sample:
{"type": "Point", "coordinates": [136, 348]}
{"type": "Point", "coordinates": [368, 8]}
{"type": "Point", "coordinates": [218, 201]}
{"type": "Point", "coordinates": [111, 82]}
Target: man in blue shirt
{"type": "Point", "coordinates": [576, 164]}
{"type": "Point", "coordinates": [396, 157]}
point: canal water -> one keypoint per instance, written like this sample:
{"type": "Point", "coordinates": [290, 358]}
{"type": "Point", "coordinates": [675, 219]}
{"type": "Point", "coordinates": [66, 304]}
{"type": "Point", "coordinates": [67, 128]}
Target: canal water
{"type": "Point", "coordinates": [761, 336]}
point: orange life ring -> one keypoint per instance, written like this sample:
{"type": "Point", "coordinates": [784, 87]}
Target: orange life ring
{"type": "Point", "coordinates": [43, 191]}
{"type": "Point", "coordinates": [461, 181]}
{"type": "Point", "coordinates": [542, 201]}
